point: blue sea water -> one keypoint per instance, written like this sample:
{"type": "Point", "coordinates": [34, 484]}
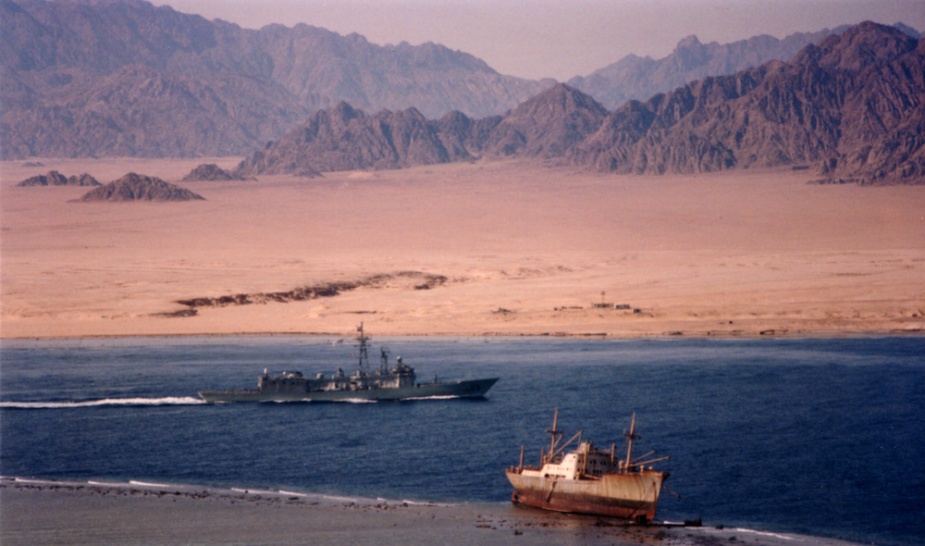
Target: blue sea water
{"type": "Point", "coordinates": [823, 437]}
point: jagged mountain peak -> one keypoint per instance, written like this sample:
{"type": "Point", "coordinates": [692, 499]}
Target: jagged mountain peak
{"type": "Point", "coordinates": [862, 45]}
{"type": "Point", "coordinates": [638, 78]}
{"type": "Point", "coordinates": [561, 98]}
{"type": "Point", "coordinates": [850, 107]}
{"type": "Point", "coordinates": [547, 124]}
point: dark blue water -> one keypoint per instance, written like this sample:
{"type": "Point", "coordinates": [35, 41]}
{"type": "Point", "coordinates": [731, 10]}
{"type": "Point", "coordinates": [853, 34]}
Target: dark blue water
{"type": "Point", "coordinates": [821, 437]}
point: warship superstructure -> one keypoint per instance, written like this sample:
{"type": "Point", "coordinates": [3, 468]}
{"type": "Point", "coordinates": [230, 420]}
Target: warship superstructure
{"type": "Point", "coordinates": [588, 480]}
{"type": "Point", "coordinates": [386, 382]}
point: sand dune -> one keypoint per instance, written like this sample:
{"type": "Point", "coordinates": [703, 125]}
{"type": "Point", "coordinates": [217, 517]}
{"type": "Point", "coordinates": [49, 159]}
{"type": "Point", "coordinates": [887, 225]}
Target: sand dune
{"type": "Point", "coordinates": [524, 250]}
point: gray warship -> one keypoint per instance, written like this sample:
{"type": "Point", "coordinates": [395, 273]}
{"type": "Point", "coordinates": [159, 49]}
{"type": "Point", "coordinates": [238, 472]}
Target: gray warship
{"type": "Point", "coordinates": [396, 382]}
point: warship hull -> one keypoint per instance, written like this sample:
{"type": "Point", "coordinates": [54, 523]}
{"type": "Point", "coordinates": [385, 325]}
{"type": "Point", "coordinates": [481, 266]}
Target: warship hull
{"type": "Point", "coordinates": [387, 382]}
{"type": "Point", "coordinates": [456, 389]}
{"type": "Point", "coordinates": [628, 496]}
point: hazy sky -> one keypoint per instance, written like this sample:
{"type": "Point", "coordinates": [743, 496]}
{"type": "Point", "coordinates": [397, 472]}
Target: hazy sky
{"type": "Point", "coordinates": [557, 38]}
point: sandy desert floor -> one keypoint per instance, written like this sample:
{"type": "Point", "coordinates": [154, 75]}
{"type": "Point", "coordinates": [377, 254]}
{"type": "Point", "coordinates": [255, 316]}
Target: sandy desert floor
{"type": "Point", "coordinates": [466, 249]}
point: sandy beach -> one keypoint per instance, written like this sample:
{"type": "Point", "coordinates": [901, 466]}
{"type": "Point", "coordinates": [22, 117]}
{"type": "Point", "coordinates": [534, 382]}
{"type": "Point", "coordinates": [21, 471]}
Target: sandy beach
{"type": "Point", "coordinates": [466, 249]}
{"type": "Point", "coordinates": [80, 513]}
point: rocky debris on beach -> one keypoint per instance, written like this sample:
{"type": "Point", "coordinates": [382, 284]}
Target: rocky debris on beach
{"type": "Point", "coordinates": [54, 178]}
{"type": "Point", "coordinates": [138, 187]}
{"type": "Point", "coordinates": [211, 172]}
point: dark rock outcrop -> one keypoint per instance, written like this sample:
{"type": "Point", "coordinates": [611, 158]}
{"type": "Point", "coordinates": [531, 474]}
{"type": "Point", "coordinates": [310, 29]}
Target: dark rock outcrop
{"type": "Point", "coordinates": [54, 178]}
{"type": "Point", "coordinates": [417, 280]}
{"type": "Point", "coordinates": [137, 187]}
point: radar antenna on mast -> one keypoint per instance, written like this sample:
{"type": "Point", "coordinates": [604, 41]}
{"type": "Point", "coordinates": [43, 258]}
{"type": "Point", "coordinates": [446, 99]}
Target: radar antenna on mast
{"type": "Point", "coordinates": [363, 361]}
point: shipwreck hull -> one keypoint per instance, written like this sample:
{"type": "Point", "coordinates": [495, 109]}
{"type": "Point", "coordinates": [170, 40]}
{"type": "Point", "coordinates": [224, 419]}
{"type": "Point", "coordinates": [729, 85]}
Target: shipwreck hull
{"type": "Point", "coordinates": [461, 389]}
{"type": "Point", "coordinates": [627, 496]}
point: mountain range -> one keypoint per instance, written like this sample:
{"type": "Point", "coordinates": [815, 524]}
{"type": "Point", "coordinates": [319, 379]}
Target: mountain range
{"type": "Point", "coordinates": [851, 107]}
{"type": "Point", "coordinates": [125, 78]}
{"type": "Point", "coordinates": [109, 78]}
{"type": "Point", "coordinates": [94, 78]}
{"type": "Point", "coordinates": [638, 78]}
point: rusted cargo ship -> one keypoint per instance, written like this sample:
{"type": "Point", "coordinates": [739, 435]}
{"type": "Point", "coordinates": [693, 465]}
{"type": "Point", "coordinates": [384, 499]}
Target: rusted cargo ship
{"type": "Point", "coordinates": [398, 382]}
{"type": "Point", "coordinates": [588, 480]}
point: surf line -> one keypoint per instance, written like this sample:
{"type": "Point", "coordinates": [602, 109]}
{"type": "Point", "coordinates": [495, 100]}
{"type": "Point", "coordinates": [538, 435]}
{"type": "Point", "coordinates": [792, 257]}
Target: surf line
{"type": "Point", "coordinates": [147, 484]}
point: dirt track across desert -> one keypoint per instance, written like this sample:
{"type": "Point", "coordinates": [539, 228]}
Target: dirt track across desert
{"type": "Point", "coordinates": [465, 249]}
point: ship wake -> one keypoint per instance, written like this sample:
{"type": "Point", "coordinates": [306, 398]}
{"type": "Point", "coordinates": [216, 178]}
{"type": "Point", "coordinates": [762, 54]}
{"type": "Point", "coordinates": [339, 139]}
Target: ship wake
{"type": "Point", "coordinates": [105, 402]}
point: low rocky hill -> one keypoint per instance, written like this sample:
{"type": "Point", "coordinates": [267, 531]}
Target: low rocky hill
{"type": "Point", "coordinates": [54, 178]}
{"type": "Point", "coordinates": [138, 187]}
{"type": "Point", "coordinates": [211, 172]}
{"type": "Point", "coordinates": [344, 138]}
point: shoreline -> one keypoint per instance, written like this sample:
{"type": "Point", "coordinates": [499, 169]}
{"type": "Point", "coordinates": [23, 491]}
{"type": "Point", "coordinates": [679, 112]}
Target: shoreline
{"type": "Point", "coordinates": [53, 512]}
{"type": "Point", "coordinates": [496, 335]}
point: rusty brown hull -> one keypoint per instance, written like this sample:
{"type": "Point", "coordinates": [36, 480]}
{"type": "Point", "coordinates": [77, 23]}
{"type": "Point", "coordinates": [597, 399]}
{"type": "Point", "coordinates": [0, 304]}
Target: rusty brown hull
{"type": "Point", "coordinates": [626, 496]}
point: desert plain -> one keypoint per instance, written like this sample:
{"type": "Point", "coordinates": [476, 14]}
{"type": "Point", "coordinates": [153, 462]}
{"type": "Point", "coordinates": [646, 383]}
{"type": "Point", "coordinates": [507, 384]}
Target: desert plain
{"type": "Point", "coordinates": [473, 249]}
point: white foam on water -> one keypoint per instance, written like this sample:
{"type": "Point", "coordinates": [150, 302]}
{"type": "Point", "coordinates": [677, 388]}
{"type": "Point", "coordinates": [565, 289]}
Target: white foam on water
{"type": "Point", "coordinates": [37, 482]}
{"type": "Point", "coordinates": [254, 491]}
{"type": "Point", "coordinates": [763, 533]}
{"type": "Point", "coordinates": [341, 499]}
{"type": "Point", "coordinates": [147, 484]}
{"type": "Point", "coordinates": [356, 401]}
{"type": "Point", "coordinates": [423, 503]}
{"type": "Point", "coordinates": [166, 401]}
